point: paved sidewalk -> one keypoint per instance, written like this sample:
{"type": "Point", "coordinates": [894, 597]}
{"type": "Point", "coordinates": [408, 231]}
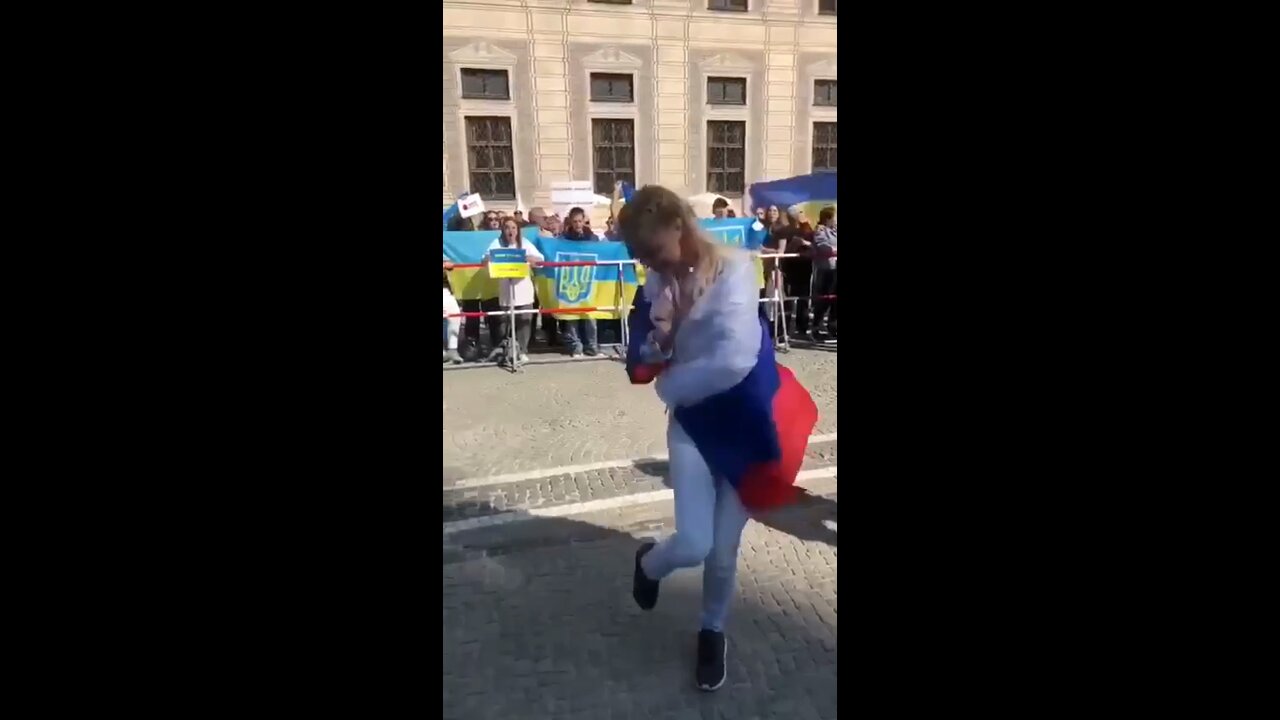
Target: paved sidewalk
{"type": "Point", "coordinates": [552, 477]}
{"type": "Point", "coordinates": [550, 630]}
{"type": "Point", "coordinates": [576, 412]}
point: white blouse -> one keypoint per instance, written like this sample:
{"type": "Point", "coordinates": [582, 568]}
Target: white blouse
{"type": "Point", "coordinates": [516, 292]}
{"type": "Point", "coordinates": [718, 341]}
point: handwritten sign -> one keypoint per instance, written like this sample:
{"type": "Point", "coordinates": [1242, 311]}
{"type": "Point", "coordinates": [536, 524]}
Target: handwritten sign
{"type": "Point", "coordinates": [508, 263]}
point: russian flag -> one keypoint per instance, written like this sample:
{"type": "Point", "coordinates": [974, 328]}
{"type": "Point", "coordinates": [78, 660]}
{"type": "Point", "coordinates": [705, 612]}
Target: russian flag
{"type": "Point", "coordinates": [754, 434]}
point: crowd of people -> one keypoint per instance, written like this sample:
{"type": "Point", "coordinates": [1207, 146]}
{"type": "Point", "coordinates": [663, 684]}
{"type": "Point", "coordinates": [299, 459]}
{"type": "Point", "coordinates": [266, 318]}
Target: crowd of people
{"type": "Point", "coordinates": [577, 337]}
{"type": "Point", "coordinates": [812, 274]}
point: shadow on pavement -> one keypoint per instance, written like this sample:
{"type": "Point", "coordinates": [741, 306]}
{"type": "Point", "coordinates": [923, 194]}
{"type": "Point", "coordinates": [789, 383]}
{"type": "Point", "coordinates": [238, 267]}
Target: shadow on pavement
{"type": "Point", "coordinates": [807, 519]}
{"type": "Point", "coordinates": [539, 623]}
{"type": "Point", "coordinates": [655, 468]}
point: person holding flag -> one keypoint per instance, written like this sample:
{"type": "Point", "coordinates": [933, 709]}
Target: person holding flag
{"type": "Point", "coordinates": [738, 422]}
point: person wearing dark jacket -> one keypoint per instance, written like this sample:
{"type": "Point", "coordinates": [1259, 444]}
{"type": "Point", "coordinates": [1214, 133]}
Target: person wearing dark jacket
{"type": "Point", "coordinates": [797, 272]}
{"type": "Point", "coordinates": [579, 334]}
{"type": "Point", "coordinates": [824, 271]}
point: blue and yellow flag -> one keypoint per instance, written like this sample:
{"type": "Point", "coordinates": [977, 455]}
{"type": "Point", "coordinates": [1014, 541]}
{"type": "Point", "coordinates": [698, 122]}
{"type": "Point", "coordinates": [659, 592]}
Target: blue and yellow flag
{"type": "Point", "coordinates": [470, 247]}
{"type": "Point", "coordinates": [451, 211]}
{"type": "Point", "coordinates": [582, 286]}
{"type": "Point", "coordinates": [738, 232]}
{"type": "Point", "coordinates": [811, 192]}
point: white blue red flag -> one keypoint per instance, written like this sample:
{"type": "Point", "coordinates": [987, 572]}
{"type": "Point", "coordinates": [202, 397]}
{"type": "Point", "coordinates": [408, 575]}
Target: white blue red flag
{"type": "Point", "coordinates": [755, 433]}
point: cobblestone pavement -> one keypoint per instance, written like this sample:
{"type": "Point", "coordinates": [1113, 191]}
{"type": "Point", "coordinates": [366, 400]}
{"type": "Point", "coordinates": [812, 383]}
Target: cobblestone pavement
{"type": "Point", "coordinates": [576, 412]}
{"type": "Point", "coordinates": [548, 629]}
{"type": "Point", "coordinates": [538, 617]}
{"type": "Point", "coordinates": [576, 487]}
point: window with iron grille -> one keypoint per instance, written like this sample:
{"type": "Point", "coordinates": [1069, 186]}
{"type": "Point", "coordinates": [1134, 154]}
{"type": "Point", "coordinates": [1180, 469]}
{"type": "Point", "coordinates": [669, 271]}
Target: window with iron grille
{"type": "Point", "coordinates": [726, 157]}
{"type": "Point", "coordinates": [726, 91]}
{"type": "Point", "coordinates": [480, 84]}
{"type": "Point", "coordinates": [735, 5]}
{"type": "Point", "coordinates": [611, 87]}
{"type": "Point", "coordinates": [489, 157]}
{"type": "Point", "coordinates": [824, 92]}
{"type": "Point", "coordinates": [614, 153]}
{"type": "Point", "coordinates": [826, 7]}
{"type": "Point", "coordinates": [824, 147]}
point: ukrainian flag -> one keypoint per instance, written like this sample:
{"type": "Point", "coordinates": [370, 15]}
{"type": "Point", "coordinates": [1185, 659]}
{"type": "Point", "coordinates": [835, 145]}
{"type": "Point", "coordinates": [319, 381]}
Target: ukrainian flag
{"type": "Point", "coordinates": [810, 192]}
{"type": "Point", "coordinates": [738, 232]}
{"type": "Point", "coordinates": [581, 286]}
{"type": "Point", "coordinates": [469, 247]}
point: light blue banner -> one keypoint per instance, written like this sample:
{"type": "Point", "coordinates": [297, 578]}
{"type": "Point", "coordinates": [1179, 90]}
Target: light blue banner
{"type": "Point", "coordinates": [739, 232]}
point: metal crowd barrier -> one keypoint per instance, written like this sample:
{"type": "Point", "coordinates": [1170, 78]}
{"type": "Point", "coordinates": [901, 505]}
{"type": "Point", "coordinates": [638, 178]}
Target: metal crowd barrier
{"type": "Point", "coordinates": [782, 342]}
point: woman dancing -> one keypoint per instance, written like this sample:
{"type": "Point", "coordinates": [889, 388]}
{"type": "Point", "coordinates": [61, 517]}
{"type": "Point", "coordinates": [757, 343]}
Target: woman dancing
{"type": "Point", "coordinates": [699, 329]}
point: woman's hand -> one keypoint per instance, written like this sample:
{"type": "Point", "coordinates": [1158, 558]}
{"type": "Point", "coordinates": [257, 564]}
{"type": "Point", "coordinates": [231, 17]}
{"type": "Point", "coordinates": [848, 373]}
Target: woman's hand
{"type": "Point", "coordinates": [448, 265]}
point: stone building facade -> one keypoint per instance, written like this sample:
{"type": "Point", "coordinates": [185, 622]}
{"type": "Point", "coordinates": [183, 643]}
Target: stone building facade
{"type": "Point", "coordinates": [697, 95]}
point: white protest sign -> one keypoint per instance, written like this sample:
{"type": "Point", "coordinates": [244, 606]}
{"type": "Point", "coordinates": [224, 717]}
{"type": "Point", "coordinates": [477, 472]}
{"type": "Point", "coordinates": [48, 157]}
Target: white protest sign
{"type": "Point", "coordinates": [573, 192]}
{"type": "Point", "coordinates": [470, 205]}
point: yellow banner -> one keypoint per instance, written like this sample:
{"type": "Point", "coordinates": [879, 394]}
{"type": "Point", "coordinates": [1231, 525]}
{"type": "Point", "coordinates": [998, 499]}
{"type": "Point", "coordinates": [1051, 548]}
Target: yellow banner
{"type": "Point", "coordinates": [508, 271]}
{"type": "Point", "coordinates": [508, 263]}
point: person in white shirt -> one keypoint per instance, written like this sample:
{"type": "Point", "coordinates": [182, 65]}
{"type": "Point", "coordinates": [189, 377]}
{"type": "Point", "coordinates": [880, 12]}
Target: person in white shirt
{"type": "Point", "coordinates": [516, 293]}
{"type": "Point", "coordinates": [451, 324]}
{"type": "Point", "coordinates": [706, 311]}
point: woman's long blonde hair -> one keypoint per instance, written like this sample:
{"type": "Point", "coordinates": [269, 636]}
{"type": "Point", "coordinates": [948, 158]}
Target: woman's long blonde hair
{"type": "Point", "coordinates": [653, 209]}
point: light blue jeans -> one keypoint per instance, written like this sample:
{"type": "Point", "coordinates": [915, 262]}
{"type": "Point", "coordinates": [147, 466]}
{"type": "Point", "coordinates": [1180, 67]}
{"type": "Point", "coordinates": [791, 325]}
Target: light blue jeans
{"type": "Point", "coordinates": [709, 522]}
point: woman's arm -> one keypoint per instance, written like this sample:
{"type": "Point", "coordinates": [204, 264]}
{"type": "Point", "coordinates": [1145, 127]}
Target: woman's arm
{"type": "Point", "coordinates": [533, 255]}
{"type": "Point", "coordinates": [804, 239]}
{"type": "Point", "coordinates": [733, 345]}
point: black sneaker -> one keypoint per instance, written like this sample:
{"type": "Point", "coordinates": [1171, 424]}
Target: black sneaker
{"type": "Point", "coordinates": [644, 590]}
{"type": "Point", "coordinates": [713, 649]}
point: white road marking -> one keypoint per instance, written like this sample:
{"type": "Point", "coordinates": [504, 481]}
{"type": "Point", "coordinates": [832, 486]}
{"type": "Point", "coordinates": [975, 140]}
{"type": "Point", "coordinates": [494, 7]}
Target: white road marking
{"type": "Point", "coordinates": [594, 505]}
{"type": "Point", "coordinates": [585, 467]}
